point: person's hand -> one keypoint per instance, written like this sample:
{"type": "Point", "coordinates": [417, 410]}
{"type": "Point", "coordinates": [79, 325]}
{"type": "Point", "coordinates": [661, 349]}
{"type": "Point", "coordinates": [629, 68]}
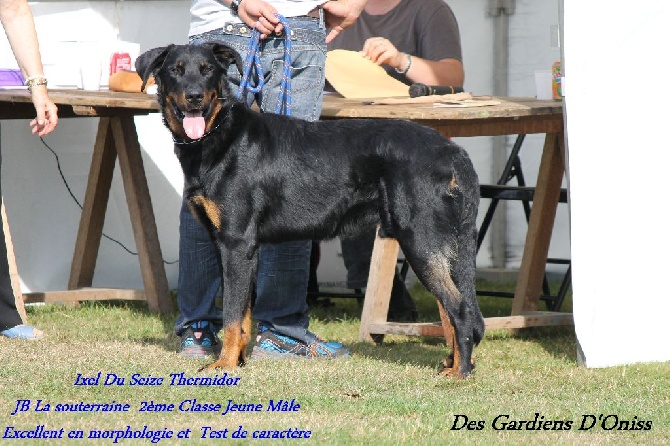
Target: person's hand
{"type": "Point", "coordinates": [47, 112]}
{"type": "Point", "coordinates": [260, 15]}
{"type": "Point", "coordinates": [341, 14]}
{"type": "Point", "coordinates": [381, 51]}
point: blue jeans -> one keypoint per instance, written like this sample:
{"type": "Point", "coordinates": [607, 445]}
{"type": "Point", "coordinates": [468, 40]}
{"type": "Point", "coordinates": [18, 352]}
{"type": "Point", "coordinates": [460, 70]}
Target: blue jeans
{"type": "Point", "coordinates": [283, 269]}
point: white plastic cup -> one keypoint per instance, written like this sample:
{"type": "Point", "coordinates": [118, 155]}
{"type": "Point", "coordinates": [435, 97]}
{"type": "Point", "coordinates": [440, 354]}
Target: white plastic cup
{"type": "Point", "coordinates": [543, 79]}
{"type": "Point", "coordinates": [90, 76]}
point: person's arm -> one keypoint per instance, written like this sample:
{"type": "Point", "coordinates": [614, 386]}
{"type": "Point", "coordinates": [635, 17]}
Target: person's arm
{"type": "Point", "coordinates": [262, 16]}
{"type": "Point", "coordinates": [258, 14]}
{"type": "Point", "coordinates": [441, 72]}
{"type": "Point", "coordinates": [17, 20]}
{"type": "Point", "coordinates": [341, 14]}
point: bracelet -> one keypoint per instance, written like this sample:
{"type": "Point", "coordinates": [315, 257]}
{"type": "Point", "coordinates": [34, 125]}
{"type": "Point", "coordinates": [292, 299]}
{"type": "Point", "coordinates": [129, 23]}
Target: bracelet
{"type": "Point", "coordinates": [34, 81]}
{"type": "Point", "coordinates": [409, 64]}
{"type": "Point", "coordinates": [234, 6]}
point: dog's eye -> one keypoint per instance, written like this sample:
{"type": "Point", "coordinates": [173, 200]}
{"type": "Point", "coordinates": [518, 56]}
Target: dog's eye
{"type": "Point", "coordinates": [206, 69]}
{"type": "Point", "coordinates": [178, 70]}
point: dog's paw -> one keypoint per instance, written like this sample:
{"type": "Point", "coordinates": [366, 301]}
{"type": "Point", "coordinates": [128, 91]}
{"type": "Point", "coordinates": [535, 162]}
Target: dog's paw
{"type": "Point", "coordinates": [446, 368]}
{"type": "Point", "coordinates": [220, 364]}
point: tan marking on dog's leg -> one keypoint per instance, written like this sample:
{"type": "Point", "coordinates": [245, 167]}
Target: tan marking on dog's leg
{"type": "Point", "coordinates": [440, 272]}
{"type": "Point", "coordinates": [230, 353]}
{"type": "Point", "coordinates": [245, 335]}
{"type": "Point", "coordinates": [449, 365]}
{"type": "Point", "coordinates": [212, 211]}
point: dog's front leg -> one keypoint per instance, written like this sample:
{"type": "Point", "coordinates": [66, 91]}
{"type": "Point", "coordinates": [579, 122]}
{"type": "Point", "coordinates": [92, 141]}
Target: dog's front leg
{"type": "Point", "coordinates": [238, 274]}
{"type": "Point", "coordinates": [459, 364]}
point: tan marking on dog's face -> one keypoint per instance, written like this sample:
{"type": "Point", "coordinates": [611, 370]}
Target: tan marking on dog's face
{"type": "Point", "coordinates": [173, 122]}
{"type": "Point", "coordinates": [215, 109]}
{"type": "Point", "coordinates": [211, 209]}
{"type": "Point", "coordinates": [440, 270]}
{"type": "Point", "coordinates": [453, 187]}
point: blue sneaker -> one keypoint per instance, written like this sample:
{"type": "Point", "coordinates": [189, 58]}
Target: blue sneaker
{"type": "Point", "coordinates": [272, 345]}
{"type": "Point", "coordinates": [24, 332]}
{"type": "Point", "coordinates": [198, 341]}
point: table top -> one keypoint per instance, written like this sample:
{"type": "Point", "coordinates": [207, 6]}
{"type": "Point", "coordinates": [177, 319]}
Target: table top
{"type": "Point", "coordinates": [16, 104]}
{"type": "Point", "coordinates": [338, 107]}
{"type": "Point", "coordinates": [540, 116]}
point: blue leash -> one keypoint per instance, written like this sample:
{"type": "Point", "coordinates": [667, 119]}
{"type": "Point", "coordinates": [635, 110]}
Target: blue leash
{"type": "Point", "coordinates": [253, 61]}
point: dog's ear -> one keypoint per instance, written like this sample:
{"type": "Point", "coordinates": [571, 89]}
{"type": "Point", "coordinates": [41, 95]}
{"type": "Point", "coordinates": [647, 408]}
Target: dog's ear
{"type": "Point", "coordinates": [149, 62]}
{"type": "Point", "coordinates": [225, 55]}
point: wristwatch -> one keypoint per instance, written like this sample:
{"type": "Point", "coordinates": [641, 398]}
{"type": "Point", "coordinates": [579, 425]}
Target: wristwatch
{"type": "Point", "coordinates": [234, 6]}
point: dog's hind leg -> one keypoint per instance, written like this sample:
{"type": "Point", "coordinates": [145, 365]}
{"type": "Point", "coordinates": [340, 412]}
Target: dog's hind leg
{"type": "Point", "coordinates": [238, 273]}
{"type": "Point", "coordinates": [449, 273]}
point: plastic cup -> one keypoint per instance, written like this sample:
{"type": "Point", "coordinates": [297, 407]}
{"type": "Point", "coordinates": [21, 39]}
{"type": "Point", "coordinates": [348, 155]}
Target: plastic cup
{"type": "Point", "coordinates": [543, 89]}
{"type": "Point", "coordinates": [90, 76]}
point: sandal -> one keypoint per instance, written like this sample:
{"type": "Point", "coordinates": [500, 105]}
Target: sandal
{"type": "Point", "coordinates": [24, 332]}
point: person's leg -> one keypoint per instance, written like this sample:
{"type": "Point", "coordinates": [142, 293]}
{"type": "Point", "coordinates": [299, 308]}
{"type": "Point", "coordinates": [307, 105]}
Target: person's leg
{"type": "Point", "coordinates": [283, 270]}
{"type": "Point", "coordinates": [356, 253]}
{"type": "Point", "coordinates": [11, 325]}
{"type": "Point", "coordinates": [197, 288]}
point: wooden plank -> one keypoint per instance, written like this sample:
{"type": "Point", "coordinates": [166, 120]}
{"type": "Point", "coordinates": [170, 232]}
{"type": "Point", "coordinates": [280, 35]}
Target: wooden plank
{"type": "Point", "coordinates": [530, 319]}
{"type": "Point", "coordinates": [522, 125]}
{"type": "Point", "coordinates": [380, 282]}
{"type": "Point", "coordinates": [141, 214]}
{"type": "Point", "coordinates": [509, 109]}
{"type": "Point", "coordinates": [94, 208]}
{"type": "Point", "coordinates": [434, 329]}
{"type": "Point", "coordinates": [95, 99]}
{"type": "Point", "coordinates": [84, 294]}
{"type": "Point", "coordinates": [540, 226]}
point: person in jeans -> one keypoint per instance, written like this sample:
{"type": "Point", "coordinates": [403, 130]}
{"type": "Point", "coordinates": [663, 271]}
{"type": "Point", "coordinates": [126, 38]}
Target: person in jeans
{"type": "Point", "coordinates": [17, 21]}
{"type": "Point", "coordinates": [281, 285]}
{"type": "Point", "coordinates": [415, 42]}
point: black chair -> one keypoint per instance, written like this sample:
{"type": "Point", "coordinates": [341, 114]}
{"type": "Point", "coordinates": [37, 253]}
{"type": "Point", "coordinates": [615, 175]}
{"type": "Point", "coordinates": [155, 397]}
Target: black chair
{"type": "Point", "coordinates": [503, 191]}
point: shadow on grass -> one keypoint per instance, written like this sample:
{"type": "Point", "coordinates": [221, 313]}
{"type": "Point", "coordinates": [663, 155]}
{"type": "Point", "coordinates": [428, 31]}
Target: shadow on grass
{"type": "Point", "coordinates": [559, 342]}
{"type": "Point", "coordinates": [139, 310]}
{"type": "Point", "coordinates": [424, 351]}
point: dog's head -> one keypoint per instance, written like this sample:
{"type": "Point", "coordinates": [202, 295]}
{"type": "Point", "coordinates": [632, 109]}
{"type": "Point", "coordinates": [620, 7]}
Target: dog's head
{"type": "Point", "coordinates": [192, 84]}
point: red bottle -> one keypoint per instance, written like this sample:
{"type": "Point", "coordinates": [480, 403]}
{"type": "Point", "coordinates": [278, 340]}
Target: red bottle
{"type": "Point", "coordinates": [119, 62]}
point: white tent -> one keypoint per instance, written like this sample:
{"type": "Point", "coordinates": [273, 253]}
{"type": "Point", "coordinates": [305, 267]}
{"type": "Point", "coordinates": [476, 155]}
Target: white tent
{"type": "Point", "coordinates": [616, 93]}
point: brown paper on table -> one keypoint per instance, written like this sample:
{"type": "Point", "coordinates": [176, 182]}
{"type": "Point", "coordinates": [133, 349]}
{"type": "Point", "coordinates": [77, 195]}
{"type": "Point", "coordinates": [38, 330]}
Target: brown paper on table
{"type": "Point", "coordinates": [128, 81]}
{"type": "Point", "coordinates": [354, 76]}
{"type": "Point", "coordinates": [456, 100]}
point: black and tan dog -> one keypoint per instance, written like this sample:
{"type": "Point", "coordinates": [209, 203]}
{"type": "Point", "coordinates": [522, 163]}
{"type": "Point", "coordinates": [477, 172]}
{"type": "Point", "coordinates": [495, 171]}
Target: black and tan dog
{"type": "Point", "coordinates": [255, 178]}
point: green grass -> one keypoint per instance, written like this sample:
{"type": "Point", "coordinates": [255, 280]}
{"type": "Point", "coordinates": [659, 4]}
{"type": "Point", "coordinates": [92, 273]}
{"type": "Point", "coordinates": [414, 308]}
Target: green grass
{"type": "Point", "coordinates": [386, 394]}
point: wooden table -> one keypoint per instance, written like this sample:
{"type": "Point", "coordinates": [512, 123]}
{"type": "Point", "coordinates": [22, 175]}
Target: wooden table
{"type": "Point", "coordinates": [116, 136]}
{"type": "Point", "coordinates": [512, 116]}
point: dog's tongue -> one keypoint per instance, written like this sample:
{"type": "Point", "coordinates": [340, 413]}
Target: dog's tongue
{"type": "Point", "coordinates": [194, 125]}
